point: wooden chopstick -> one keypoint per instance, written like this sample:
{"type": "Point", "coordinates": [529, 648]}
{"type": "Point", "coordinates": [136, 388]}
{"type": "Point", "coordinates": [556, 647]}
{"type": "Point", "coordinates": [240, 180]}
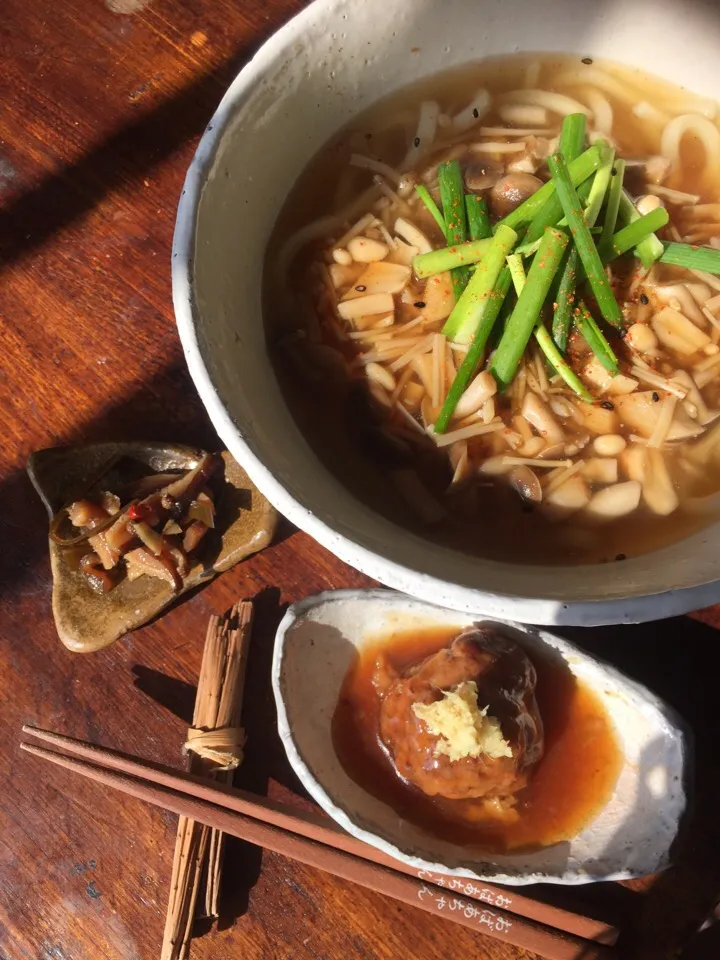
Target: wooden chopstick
{"type": "Point", "coordinates": [427, 896]}
{"type": "Point", "coordinates": [321, 828]}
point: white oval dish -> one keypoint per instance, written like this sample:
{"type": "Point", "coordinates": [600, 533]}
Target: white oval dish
{"type": "Point", "coordinates": [315, 645]}
{"type": "Point", "coordinates": [323, 67]}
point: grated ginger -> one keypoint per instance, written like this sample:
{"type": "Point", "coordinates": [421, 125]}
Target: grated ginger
{"type": "Point", "coordinates": [463, 729]}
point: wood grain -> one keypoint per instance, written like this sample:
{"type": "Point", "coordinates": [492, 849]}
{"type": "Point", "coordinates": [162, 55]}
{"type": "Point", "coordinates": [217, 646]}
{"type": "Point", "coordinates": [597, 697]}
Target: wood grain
{"type": "Point", "coordinates": [100, 113]}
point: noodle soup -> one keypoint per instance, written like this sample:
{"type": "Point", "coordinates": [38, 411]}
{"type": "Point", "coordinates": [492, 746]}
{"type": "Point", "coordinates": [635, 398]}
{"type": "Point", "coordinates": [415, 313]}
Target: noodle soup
{"type": "Point", "coordinates": [592, 441]}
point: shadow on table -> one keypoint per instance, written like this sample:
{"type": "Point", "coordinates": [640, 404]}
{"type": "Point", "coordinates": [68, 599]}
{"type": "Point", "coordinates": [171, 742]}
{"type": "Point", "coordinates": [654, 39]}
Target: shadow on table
{"type": "Point", "coordinates": [706, 944]}
{"type": "Point", "coordinates": [176, 696]}
{"type": "Point", "coordinates": [679, 659]}
{"type": "Point", "coordinates": [61, 198]}
{"type": "Point", "coordinates": [166, 406]}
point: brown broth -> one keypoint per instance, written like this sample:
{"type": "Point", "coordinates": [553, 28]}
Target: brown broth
{"type": "Point", "coordinates": [569, 786]}
{"type": "Point", "coordinates": [491, 522]}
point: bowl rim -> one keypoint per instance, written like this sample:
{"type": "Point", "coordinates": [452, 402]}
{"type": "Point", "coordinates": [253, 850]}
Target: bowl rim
{"type": "Point", "coordinates": [393, 573]}
{"type": "Point", "coordinates": [310, 782]}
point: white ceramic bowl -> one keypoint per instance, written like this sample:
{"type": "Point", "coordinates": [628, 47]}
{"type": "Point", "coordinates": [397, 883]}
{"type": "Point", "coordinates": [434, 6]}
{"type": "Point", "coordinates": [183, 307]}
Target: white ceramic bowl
{"type": "Point", "coordinates": [631, 836]}
{"type": "Point", "coordinates": [333, 60]}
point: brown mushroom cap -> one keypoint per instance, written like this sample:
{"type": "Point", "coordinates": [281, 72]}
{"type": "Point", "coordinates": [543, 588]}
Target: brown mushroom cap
{"type": "Point", "coordinates": [524, 481]}
{"type": "Point", "coordinates": [512, 190]}
{"type": "Point", "coordinates": [482, 174]}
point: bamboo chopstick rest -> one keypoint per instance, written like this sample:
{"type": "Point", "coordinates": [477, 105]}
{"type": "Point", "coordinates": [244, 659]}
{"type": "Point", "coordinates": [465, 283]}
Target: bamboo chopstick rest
{"type": "Point", "coordinates": [224, 747]}
{"type": "Point", "coordinates": [215, 748]}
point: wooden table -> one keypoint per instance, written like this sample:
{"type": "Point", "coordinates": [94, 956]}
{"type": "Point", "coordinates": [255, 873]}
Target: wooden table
{"type": "Point", "coordinates": [101, 106]}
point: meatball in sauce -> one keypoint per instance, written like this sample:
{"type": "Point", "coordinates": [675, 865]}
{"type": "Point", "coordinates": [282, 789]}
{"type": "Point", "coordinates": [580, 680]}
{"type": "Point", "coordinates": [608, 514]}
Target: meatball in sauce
{"type": "Point", "coordinates": [555, 756]}
{"type": "Point", "coordinates": [504, 680]}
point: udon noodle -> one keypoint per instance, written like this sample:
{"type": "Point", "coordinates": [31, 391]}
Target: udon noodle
{"type": "Point", "coordinates": [597, 445]}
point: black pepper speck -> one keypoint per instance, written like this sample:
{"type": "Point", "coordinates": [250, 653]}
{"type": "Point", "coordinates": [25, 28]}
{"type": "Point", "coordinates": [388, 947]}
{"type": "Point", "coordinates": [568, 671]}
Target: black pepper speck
{"type": "Point", "coordinates": [476, 113]}
{"type": "Point", "coordinates": [655, 396]}
{"type": "Point", "coordinates": [587, 61]}
{"type": "Point", "coordinates": [420, 304]}
{"type": "Point", "coordinates": [643, 298]}
{"type": "Point", "coordinates": [607, 405]}
{"type": "Point", "coordinates": [417, 141]}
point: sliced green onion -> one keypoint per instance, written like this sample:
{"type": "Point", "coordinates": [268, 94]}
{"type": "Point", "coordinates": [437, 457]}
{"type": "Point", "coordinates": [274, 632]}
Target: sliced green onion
{"type": "Point", "coordinates": [635, 233]}
{"type": "Point", "coordinates": [580, 170]}
{"type": "Point", "coordinates": [613, 203]}
{"type": "Point", "coordinates": [584, 242]}
{"type": "Point", "coordinates": [551, 210]}
{"type": "Point", "coordinates": [468, 312]}
{"type": "Point", "coordinates": [528, 249]}
{"type": "Point", "coordinates": [504, 315]}
{"type": "Point", "coordinates": [600, 184]}
{"type": "Point", "coordinates": [517, 271]}
{"type": "Point", "coordinates": [452, 195]}
{"type": "Point", "coordinates": [648, 250]}
{"type": "Point", "coordinates": [472, 358]}
{"type": "Point", "coordinates": [554, 356]}
{"type": "Point", "coordinates": [583, 192]}
{"type": "Point", "coordinates": [478, 217]}
{"type": "Point", "coordinates": [572, 136]}
{"type": "Point", "coordinates": [424, 195]}
{"type": "Point", "coordinates": [462, 254]}
{"type": "Point", "coordinates": [527, 310]}
{"type": "Point", "coordinates": [565, 299]}
{"type": "Point", "coordinates": [692, 258]}
{"type": "Point", "coordinates": [593, 336]}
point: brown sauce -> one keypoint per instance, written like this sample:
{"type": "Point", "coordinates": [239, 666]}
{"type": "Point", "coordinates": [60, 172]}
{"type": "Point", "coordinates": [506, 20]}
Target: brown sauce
{"type": "Point", "coordinates": [568, 787]}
